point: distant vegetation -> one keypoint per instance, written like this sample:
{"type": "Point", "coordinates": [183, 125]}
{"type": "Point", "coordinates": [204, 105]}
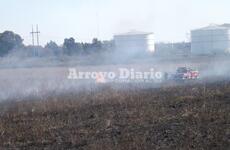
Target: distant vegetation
{"type": "Point", "coordinates": [9, 41]}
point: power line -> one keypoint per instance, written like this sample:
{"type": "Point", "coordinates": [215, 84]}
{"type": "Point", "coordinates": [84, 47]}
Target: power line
{"type": "Point", "coordinates": [37, 32]}
{"type": "Point", "coordinates": [33, 33]}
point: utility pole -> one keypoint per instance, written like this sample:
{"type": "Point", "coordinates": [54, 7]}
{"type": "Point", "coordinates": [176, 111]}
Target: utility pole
{"type": "Point", "coordinates": [37, 32]}
{"type": "Point", "coordinates": [33, 33]}
{"type": "Point", "coordinates": [98, 25]}
{"type": "Point", "coordinates": [98, 21]}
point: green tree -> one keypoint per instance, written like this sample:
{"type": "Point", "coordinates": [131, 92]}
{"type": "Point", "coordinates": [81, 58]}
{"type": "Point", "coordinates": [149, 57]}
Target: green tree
{"type": "Point", "coordinates": [69, 46]}
{"type": "Point", "coordinates": [96, 44]}
{"type": "Point", "coordinates": [54, 47]}
{"type": "Point", "coordinates": [9, 41]}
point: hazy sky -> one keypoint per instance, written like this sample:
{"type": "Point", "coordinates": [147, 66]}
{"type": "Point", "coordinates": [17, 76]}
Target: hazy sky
{"type": "Point", "coordinates": [170, 20]}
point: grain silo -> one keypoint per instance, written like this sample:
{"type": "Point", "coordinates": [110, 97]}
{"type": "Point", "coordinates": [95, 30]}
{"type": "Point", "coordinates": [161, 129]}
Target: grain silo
{"type": "Point", "coordinates": [214, 39]}
{"type": "Point", "coordinates": [135, 42]}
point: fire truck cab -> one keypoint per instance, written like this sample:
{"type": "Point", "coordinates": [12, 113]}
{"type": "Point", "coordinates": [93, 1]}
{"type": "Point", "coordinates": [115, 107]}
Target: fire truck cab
{"type": "Point", "coordinates": [184, 73]}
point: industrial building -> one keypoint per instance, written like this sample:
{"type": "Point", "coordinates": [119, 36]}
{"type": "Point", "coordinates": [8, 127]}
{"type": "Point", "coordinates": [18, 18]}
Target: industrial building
{"type": "Point", "coordinates": [135, 42]}
{"type": "Point", "coordinates": [214, 39]}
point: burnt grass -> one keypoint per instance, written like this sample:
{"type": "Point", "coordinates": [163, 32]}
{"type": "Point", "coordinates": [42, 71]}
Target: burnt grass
{"type": "Point", "coordinates": [177, 117]}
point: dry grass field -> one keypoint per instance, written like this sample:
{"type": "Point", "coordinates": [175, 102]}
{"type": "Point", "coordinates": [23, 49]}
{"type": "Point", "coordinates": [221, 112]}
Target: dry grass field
{"type": "Point", "coordinates": [41, 109]}
{"type": "Point", "coordinates": [193, 116]}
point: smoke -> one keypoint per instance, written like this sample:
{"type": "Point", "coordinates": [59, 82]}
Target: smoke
{"type": "Point", "coordinates": [216, 69]}
{"type": "Point", "coordinates": [25, 77]}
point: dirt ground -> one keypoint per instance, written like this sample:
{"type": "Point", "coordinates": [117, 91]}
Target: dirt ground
{"type": "Point", "coordinates": [193, 116]}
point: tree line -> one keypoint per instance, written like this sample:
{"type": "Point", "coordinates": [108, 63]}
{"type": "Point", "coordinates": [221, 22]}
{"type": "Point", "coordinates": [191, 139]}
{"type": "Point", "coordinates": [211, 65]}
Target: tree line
{"type": "Point", "coordinates": [10, 41]}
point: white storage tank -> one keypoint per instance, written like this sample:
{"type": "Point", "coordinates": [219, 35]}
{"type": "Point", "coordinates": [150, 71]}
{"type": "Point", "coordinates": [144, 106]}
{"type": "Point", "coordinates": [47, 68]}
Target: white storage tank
{"type": "Point", "coordinates": [135, 42]}
{"type": "Point", "coordinates": [214, 39]}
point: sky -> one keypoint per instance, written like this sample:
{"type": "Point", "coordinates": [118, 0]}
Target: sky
{"type": "Point", "coordinates": [169, 20]}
